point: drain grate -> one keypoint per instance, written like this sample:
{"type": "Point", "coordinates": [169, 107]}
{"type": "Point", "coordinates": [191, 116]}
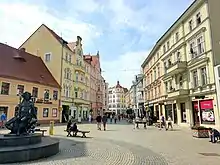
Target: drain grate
{"type": "Point", "coordinates": [209, 154]}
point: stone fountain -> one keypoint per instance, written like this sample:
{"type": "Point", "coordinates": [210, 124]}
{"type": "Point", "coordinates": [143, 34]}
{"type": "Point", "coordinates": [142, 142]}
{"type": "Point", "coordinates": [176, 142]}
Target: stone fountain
{"type": "Point", "coordinates": [22, 144]}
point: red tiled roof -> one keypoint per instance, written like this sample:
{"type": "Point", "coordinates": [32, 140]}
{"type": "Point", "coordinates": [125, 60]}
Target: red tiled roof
{"type": "Point", "coordinates": [18, 64]}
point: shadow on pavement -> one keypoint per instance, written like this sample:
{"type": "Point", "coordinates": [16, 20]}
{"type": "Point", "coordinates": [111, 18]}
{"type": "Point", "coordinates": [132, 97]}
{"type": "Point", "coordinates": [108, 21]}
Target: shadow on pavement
{"type": "Point", "coordinates": [68, 149]}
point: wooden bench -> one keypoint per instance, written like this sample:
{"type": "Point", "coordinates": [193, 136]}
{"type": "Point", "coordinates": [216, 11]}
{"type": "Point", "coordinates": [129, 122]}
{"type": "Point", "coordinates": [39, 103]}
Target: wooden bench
{"type": "Point", "coordinates": [75, 133]}
{"type": "Point", "coordinates": [40, 130]}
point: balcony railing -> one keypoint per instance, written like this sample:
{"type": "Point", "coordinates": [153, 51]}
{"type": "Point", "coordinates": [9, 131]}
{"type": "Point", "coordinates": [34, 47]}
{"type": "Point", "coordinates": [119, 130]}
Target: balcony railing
{"type": "Point", "coordinates": [177, 92]}
{"type": "Point", "coordinates": [176, 67]}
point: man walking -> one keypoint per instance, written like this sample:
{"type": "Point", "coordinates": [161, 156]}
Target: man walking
{"type": "Point", "coordinates": [99, 120]}
{"type": "Point", "coordinates": [104, 121]}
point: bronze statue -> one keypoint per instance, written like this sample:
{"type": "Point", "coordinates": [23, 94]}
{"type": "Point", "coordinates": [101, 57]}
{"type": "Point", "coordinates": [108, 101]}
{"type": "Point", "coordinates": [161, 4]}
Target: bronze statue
{"type": "Point", "coordinates": [25, 117]}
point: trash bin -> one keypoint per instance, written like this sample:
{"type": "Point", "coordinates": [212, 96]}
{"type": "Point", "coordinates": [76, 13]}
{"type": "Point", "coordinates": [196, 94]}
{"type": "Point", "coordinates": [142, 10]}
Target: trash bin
{"type": "Point", "coordinates": [51, 130]}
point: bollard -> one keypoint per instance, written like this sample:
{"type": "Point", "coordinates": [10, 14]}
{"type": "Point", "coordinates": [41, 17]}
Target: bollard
{"type": "Point", "coordinates": [51, 130]}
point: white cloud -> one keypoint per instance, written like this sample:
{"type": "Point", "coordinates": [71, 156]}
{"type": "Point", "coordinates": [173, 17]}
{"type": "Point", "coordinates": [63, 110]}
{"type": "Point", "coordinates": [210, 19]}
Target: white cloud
{"type": "Point", "coordinates": [20, 20]}
{"type": "Point", "coordinates": [124, 68]}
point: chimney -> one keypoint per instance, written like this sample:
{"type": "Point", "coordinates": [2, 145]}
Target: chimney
{"type": "Point", "coordinates": [23, 49]}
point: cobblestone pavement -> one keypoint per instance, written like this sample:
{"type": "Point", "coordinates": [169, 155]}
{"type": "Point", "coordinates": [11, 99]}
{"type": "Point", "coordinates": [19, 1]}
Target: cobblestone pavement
{"type": "Point", "coordinates": [101, 152]}
{"type": "Point", "coordinates": [121, 144]}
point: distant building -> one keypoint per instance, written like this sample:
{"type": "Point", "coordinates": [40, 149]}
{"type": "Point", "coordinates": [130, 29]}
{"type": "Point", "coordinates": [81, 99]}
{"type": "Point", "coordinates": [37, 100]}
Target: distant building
{"type": "Point", "coordinates": [21, 72]}
{"type": "Point", "coordinates": [116, 97]}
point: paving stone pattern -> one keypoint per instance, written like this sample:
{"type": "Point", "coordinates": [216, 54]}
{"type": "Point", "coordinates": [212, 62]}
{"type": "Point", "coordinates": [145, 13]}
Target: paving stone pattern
{"type": "Point", "coordinates": [101, 152]}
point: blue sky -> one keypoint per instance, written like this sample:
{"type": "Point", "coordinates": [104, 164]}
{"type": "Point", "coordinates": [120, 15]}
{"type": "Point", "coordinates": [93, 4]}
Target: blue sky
{"type": "Point", "coordinates": [124, 31]}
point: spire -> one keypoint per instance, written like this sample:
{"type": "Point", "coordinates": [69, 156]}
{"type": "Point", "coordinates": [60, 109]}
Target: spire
{"type": "Point", "coordinates": [98, 54]}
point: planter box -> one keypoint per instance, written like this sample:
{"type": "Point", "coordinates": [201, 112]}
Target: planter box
{"type": "Point", "coordinates": [200, 133]}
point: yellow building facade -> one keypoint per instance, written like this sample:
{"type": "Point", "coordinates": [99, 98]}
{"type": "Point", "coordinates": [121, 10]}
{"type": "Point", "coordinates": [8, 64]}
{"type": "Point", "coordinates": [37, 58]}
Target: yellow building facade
{"type": "Point", "coordinates": [46, 111]}
{"type": "Point", "coordinates": [81, 81]}
{"type": "Point", "coordinates": [179, 77]}
{"type": "Point", "coordinates": [59, 59]}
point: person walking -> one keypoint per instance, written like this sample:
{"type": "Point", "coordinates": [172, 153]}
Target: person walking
{"type": "Point", "coordinates": [169, 123]}
{"type": "Point", "coordinates": [111, 118]}
{"type": "Point", "coordinates": [90, 118]}
{"type": "Point", "coordinates": [99, 120]}
{"type": "Point", "coordinates": [3, 119]}
{"type": "Point", "coordinates": [162, 122]}
{"type": "Point", "coordinates": [104, 121]}
{"type": "Point", "coordinates": [115, 118]}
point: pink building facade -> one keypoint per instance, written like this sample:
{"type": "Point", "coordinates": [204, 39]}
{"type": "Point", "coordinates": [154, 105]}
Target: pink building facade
{"type": "Point", "coordinates": [96, 89]}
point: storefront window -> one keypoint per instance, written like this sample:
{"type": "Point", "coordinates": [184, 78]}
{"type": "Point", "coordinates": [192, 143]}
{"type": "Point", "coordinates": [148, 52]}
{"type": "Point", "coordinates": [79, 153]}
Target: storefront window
{"type": "Point", "coordinates": [183, 112]}
{"type": "Point", "coordinates": [207, 112]}
{"type": "Point", "coordinates": [168, 111]}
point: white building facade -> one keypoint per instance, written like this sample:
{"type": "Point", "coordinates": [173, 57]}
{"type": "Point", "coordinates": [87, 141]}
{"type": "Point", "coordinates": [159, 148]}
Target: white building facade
{"type": "Point", "coordinates": [116, 97]}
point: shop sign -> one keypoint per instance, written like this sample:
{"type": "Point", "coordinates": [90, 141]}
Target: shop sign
{"type": "Point", "coordinates": [207, 111]}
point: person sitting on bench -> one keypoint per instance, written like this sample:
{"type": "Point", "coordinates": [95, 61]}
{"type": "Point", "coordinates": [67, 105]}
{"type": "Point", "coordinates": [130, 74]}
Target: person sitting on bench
{"type": "Point", "coordinates": [214, 135]}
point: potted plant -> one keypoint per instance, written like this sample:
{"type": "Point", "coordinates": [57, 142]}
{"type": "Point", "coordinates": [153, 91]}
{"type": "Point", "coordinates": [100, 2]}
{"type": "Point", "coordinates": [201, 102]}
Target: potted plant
{"type": "Point", "coordinates": [200, 131]}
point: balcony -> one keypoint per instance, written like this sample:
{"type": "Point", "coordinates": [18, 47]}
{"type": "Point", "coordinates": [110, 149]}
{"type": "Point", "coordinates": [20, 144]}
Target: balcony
{"type": "Point", "coordinates": [177, 67]}
{"type": "Point", "coordinates": [80, 68]}
{"type": "Point", "coordinates": [178, 93]}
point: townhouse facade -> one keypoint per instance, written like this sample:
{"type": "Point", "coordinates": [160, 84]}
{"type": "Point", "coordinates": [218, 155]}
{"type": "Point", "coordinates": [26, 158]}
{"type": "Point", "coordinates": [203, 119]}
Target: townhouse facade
{"type": "Point", "coordinates": [66, 63]}
{"type": "Point", "coordinates": [179, 78]}
{"type": "Point", "coordinates": [116, 96]}
{"type": "Point", "coordinates": [96, 87]}
{"type": "Point", "coordinates": [17, 75]}
{"type": "Point", "coordinates": [105, 94]}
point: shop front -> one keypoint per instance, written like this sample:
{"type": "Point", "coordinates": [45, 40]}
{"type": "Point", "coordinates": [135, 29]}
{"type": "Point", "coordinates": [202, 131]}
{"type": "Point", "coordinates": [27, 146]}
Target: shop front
{"type": "Point", "coordinates": [203, 112]}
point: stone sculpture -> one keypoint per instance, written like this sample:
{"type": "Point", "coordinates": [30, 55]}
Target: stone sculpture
{"type": "Point", "coordinates": [25, 117]}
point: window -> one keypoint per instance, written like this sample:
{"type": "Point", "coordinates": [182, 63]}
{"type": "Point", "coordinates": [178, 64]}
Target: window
{"type": "Point", "coordinates": [181, 81]}
{"type": "Point", "coordinates": [70, 58]}
{"type": "Point", "coordinates": [55, 95]}
{"type": "Point", "coordinates": [45, 112]}
{"type": "Point", "coordinates": [158, 55]}
{"type": "Point", "coordinates": [158, 90]}
{"type": "Point", "coordinates": [155, 74]}
{"type": "Point", "coordinates": [178, 57]}
{"type": "Point", "coordinates": [77, 76]}
{"type": "Point", "coordinates": [67, 94]}
{"type": "Point", "coordinates": [5, 88]}
{"type": "Point", "coordinates": [54, 112]}
{"type": "Point", "coordinates": [155, 91]}
{"type": "Point", "coordinates": [47, 57]}
{"type": "Point", "coordinates": [151, 77]}
{"type": "Point", "coordinates": [77, 61]}
{"type": "Point", "coordinates": [168, 45]}
{"type": "Point", "coordinates": [190, 25]}
{"type": "Point", "coordinates": [219, 71]}
{"type": "Point", "coordinates": [66, 56]}
{"type": "Point", "coordinates": [166, 86]}
{"type": "Point", "coordinates": [200, 45]}
{"type": "Point", "coordinates": [20, 89]}
{"type": "Point", "coordinates": [158, 71]}
{"type": "Point", "coordinates": [198, 19]}
{"type": "Point", "coordinates": [195, 78]}
{"type": "Point", "coordinates": [204, 76]}
{"type": "Point", "coordinates": [177, 36]}
{"type": "Point", "coordinates": [183, 112]}
{"type": "Point", "coordinates": [46, 94]}
{"type": "Point", "coordinates": [35, 92]}
{"type": "Point", "coordinates": [164, 48]}
{"type": "Point", "coordinates": [193, 51]}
